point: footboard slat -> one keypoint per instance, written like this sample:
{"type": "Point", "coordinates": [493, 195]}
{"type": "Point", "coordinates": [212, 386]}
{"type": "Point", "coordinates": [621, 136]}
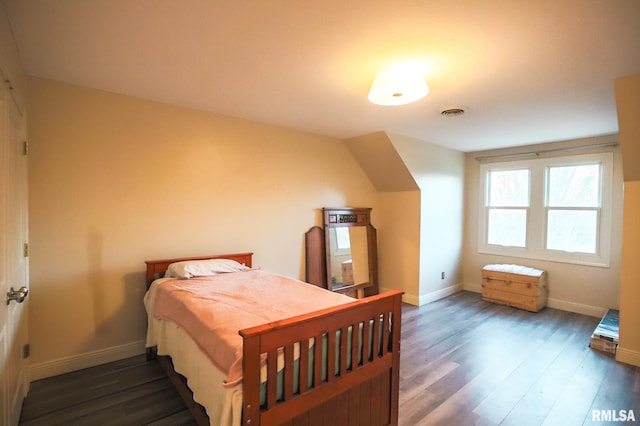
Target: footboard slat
{"type": "Point", "coordinates": [344, 332]}
{"type": "Point", "coordinates": [288, 371]}
{"type": "Point", "coordinates": [386, 342]}
{"type": "Point", "coordinates": [304, 372]}
{"type": "Point", "coordinates": [375, 348]}
{"type": "Point", "coordinates": [366, 326]}
{"type": "Point", "coordinates": [317, 366]}
{"type": "Point", "coordinates": [272, 381]}
{"type": "Point", "coordinates": [355, 340]}
{"type": "Point", "coordinates": [331, 356]}
{"type": "Point", "coordinates": [363, 381]}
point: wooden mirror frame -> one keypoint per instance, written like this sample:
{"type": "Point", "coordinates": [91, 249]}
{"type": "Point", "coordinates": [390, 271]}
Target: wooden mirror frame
{"type": "Point", "coordinates": [318, 256]}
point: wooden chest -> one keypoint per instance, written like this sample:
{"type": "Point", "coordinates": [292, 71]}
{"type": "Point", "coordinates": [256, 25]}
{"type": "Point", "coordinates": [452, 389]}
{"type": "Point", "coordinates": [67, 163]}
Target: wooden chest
{"type": "Point", "coordinates": [347, 272]}
{"type": "Point", "coordinates": [515, 285]}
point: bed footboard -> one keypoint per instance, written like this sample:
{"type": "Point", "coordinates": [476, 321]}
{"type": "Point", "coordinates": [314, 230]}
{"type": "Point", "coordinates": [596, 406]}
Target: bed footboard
{"type": "Point", "coordinates": [354, 380]}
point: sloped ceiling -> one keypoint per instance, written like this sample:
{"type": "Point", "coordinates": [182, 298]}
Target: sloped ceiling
{"type": "Point", "coordinates": [379, 159]}
{"type": "Point", "coordinates": [628, 101]}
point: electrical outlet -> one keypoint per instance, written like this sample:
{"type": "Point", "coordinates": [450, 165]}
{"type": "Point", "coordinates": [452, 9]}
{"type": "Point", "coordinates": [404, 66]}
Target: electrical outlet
{"type": "Point", "coordinates": [443, 275]}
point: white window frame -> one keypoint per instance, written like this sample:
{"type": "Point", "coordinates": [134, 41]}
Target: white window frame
{"type": "Point", "coordinates": [535, 246]}
{"type": "Point", "coordinates": [343, 240]}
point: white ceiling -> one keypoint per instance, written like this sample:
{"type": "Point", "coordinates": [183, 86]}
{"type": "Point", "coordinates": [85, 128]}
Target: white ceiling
{"type": "Point", "coordinates": [529, 71]}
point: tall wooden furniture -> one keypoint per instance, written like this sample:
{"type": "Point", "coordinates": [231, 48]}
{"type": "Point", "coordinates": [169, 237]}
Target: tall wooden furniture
{"type": "Point", "coordinates": [342, 256]}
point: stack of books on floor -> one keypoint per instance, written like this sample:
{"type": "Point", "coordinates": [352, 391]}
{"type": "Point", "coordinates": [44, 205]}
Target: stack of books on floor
{"type": "Point", "coordinates": [605, 336]}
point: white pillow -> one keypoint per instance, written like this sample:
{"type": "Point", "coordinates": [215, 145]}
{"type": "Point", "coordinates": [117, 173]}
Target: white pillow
{"type": "Point", "coordinates": [201, 268]}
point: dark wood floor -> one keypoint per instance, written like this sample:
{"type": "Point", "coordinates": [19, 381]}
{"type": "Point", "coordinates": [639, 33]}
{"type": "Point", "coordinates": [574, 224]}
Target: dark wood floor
{"type": "Point", "coordinates": [466, 362]}
{"type": "Point", "coordinates": [463, 362]}
{"type": "Point", "coordinates": [127, 392]}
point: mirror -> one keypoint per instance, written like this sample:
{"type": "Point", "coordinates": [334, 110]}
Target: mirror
{"type": "Point", "coordinates": [349, 256]}
{"type": "Point", "coordinates": [342, 256]}
{"type": "Point", "coordinates": [350, 251]}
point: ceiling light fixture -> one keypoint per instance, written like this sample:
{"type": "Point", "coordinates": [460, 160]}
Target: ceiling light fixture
{"type": "Point", "coordinates": [398, 85]}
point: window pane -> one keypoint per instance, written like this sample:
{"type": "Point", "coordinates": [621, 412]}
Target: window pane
{"type": "Point", "coordinates": [507, 227]}
{"type": "Point", "coordinates": [574, 186]}
{"type": "Point", "coordinates": [509, 188]}
{"type": "Point", "coordinates": [572, 230]}
{"type": "Point", "coordinates": [342, 238]}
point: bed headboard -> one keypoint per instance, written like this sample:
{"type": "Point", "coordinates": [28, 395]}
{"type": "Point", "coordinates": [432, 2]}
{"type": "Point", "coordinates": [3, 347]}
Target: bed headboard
{"type": "Point", "coordinates": [156, 268]}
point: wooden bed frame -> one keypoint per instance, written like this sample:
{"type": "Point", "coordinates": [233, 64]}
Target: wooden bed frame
{"type": "Point", "coordinates": [366, 393]}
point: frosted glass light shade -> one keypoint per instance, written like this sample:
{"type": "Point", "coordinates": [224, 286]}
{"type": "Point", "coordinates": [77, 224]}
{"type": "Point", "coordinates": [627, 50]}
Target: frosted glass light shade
{"type": "Point", "coordinates": [398, 85]}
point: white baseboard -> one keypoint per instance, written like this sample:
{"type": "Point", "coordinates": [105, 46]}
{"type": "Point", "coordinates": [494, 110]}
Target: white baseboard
{"type": "Point", "coordinates": [563, 305]}
{"type": "Point", "coordinates": [414, 300]}
{"type": "Point", "coordinates": [578, 308]}
{"type": "Point", "coordinates": [628, 356]}
{"type": "Point", "coordinates": [85, 360]}
{"type": "Point", "coordinates": [439, 294]}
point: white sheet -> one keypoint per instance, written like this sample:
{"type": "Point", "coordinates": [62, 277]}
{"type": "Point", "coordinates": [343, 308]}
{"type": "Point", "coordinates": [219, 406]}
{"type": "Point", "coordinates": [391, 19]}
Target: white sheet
{"type": "Point", "coordinates": [223, 404]}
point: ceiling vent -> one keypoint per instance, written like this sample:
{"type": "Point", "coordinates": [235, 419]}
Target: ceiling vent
{"type": "Point", "coordinates": [452, 111]}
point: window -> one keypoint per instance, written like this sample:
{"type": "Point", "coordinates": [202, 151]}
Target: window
{"type": "Point", "coordinates": [508, 205]}
{"type": "Point", "coordinates": [573, 206]}
{"type": "Point", "coordinates": [343, 242]}
{"type": "Point", "coordinates": [548, 208]}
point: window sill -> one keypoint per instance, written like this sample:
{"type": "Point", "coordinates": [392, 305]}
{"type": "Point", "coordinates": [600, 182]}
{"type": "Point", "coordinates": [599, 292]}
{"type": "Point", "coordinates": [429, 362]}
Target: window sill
{"type": "Point", "coordinates": [559, 257]}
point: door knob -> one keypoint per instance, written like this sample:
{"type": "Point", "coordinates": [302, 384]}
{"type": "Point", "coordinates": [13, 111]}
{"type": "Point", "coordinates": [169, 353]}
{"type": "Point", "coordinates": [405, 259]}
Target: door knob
{"type": "Point", "coordinates": [18, 295]}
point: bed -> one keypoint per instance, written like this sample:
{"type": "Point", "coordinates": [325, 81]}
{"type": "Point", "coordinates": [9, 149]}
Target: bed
{"type": "Point", "coordinates": [360, 339]}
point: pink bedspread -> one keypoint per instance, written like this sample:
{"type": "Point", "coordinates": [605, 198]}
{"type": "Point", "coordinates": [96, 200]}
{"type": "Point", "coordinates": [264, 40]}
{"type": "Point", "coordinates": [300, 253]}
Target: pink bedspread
{"type": "Point", "coordinates": [213, 309]}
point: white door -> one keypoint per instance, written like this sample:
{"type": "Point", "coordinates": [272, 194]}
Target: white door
{"type": "Point", "coordinates": [13, 258]}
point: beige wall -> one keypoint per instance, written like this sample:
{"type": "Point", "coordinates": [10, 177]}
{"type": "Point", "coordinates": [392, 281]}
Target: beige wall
{"type": "Point", "coordinates": [439, 173]}
{"type": "Point", "coordinates": [628, 103]}
{"type": "Point", "coordinates": [398, 224]}
{"type": "Point", "coordinates": [420, 208]}
{"type": "Point", "coordinates": [397, 216]}
{"type": "Point", "coordinates": [10, 65]}
{"type": "Point", "coordinates": [630, 278]}
{"type": "Point", "coordinates": [585, 289]}
{"type": "Point", "coordinates": [116, 180]}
